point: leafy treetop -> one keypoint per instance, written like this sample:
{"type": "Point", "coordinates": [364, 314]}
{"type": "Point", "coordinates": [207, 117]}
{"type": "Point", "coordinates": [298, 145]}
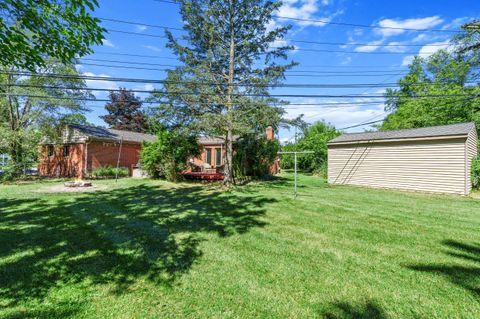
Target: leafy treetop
{"type": "Point", "coordinates": [31, 31]}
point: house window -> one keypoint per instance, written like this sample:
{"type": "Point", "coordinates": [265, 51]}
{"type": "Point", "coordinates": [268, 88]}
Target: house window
{"type": "Point", "coordinates": [66, 150]}
{"type": "Point", "coordinates": [50, 150]}
{"type": "Point", "coordinates": [218, 156]}
{"type": "Point", "coordinates": [209, 156]}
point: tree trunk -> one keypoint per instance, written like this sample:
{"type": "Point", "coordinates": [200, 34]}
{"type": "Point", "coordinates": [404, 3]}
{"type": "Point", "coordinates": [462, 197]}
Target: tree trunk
{"type": "Point", "coordinates": [229, 178]}
{"type": "Point", "coordinates": [14, 151]}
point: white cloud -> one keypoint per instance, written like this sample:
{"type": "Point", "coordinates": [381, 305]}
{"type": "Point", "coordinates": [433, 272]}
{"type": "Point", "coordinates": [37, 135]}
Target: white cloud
{"type": "Point", "coordinates": [396, 47]}
{"type": "Point", "coordinates": [100, 84]}
{"type": "Point", "coordinates": [370, 47]}
{"type": "Point", "coordinates": [420, 23]}
{"type": "Point", "coordinates": [358, 31]}
{"type": "Point", "coordinates": [341, 115]}
{"type": "Point", "coordinates": [305, 9]}
{"type": "Point", "coordinates": [427, 50]}
{"type": "Point", "coordinates": [346, 61]}
{"type": "Point", "coordinates": [457, 23]}
{"type": "Point", "coordinates": [108, 43]}
{"type": "Point", "coordinates": [153, 48]}
{"type": "Point", "coordinates": [140, 28]}
{"type": "Point", "coordinates": [407, 60]}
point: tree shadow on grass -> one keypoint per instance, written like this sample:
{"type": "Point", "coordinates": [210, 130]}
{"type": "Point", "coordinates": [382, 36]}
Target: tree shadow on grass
{"type": "Point", "coordinates": [113, 237]}
{"type": "Point", "coordinates": [466, 276]}
{"type": "Point", "coordinates": [343, 310]}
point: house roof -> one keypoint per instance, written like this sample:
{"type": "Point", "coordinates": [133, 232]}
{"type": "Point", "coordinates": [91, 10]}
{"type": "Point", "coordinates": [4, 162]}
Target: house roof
{"type": "Point", "coordinates": [100, 133]}
{"type": "Point", "coordinates": [210, 140]}
{"type": "Point", "coordinates": [207, 140]}
{"type": "Point", "coordinates": [424, 132]}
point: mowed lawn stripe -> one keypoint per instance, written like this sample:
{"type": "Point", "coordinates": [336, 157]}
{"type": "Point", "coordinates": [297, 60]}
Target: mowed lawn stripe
{"type": "Point", "coordinates": [147, 249]}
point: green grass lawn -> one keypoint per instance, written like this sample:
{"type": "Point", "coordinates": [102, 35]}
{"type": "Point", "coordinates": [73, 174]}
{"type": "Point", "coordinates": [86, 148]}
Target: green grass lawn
{"type": "Point", "coordinates": [151, 249]}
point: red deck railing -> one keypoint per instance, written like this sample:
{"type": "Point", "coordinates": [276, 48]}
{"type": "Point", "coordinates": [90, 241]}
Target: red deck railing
{"type": "Point", "coordinates": [203, 175]}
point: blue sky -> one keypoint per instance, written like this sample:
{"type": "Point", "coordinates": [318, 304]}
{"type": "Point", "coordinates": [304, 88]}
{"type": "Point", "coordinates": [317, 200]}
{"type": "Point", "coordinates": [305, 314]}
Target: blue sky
{"type": "Point", "coordinates": [354, 64]}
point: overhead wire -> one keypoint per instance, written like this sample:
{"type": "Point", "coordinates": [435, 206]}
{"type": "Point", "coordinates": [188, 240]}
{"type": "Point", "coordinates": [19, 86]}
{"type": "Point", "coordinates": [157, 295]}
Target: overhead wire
{"type": "Point", "coordinates": [345, 96]}
{"type": "Point", "coordinates": [328, 22]}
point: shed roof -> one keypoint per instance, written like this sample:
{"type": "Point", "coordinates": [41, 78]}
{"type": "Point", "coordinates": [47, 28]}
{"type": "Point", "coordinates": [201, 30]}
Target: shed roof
{"type": "Point", "coordinates": [100, 133]}
{"type": "Point", "coordinates": [424, 132]}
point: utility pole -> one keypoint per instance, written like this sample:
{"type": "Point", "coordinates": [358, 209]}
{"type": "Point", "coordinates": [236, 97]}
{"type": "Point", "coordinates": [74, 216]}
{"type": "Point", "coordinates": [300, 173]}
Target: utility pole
{"type": "Point", "coordinates": [295, 167]}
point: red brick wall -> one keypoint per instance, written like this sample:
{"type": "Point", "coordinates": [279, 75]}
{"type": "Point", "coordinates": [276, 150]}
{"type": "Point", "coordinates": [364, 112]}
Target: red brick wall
{"type": "Point", "coordinates": [101, 154]}
{"type": "Point", "coordinates": [58, 165]}
{"type": "Point", "coordinates": [202, 159]}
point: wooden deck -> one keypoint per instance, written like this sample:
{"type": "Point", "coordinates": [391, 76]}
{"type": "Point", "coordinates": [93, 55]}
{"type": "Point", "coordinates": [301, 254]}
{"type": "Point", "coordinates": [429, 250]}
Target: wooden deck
{"type": "Point", "coordinates": [203, 176]}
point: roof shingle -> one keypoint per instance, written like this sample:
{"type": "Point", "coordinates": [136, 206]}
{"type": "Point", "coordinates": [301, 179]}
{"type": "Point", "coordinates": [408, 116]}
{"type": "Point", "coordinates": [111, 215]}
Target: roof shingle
{"type": "Point", "coordinates": [424, 132]}
{"type": "Point", "coordinates": [100, 133]}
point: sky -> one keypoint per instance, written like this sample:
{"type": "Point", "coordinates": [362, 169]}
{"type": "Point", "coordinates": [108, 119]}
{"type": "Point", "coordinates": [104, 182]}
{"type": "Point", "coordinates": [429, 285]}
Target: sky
{"type": "Point", "coordinates": [346, 54]}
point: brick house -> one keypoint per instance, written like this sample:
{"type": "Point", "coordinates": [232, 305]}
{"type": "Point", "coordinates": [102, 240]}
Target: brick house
{"type": "Point", "coordinates": [85, 148]}
{"type": "Point", "coordinates": [211, 161]}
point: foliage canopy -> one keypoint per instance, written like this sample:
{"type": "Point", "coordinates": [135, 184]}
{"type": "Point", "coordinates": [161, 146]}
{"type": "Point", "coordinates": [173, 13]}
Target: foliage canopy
{"type": "Point", "coordinates": [168, 155]}
{"type": "Point", "coordinates": [315, 138]}
{"type": "Point", "coordinates": [33, 31]}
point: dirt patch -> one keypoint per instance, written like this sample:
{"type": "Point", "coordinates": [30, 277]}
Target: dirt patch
{"type": "Point", "coordinates": [61, 188]}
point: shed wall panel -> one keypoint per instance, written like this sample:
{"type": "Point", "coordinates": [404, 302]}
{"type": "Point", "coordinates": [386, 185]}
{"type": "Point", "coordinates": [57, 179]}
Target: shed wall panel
{"type": "Point", "coordinates": [430, 166]}
{"type": "Point", "coordinates": [472, 151]}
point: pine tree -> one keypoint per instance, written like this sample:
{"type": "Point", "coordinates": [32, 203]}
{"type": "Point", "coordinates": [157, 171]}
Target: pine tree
{"type": "Point", "coordinates": [124, 112]}
{"type": "Point", "coordinates": [229, 61]}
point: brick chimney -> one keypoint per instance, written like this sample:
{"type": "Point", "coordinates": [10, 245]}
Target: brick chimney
{"type": "Point", "coordinates": [270, 133]}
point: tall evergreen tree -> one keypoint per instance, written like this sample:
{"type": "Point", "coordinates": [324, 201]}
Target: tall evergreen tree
{"type": "Point", "coordinates": [229, 61]}
{"type": "Point", "coordinates": [124, 112]}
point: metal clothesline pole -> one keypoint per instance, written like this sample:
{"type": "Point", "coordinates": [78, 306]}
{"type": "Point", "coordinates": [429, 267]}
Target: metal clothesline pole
{"type": "Point", "coordinates": [118, 159]}
{"type": "Point", "coordinates": [295, 167]}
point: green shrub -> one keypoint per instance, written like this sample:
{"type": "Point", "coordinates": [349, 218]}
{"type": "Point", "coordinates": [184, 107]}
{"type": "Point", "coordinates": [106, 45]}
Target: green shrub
{"type": "Point", "coordinates": [254, 156]}
{"type": "Point", "coordinates": [168, 155]}
{"type": "Point", "coordinates": [10, 172]}
{"type": "Point", "coordinates": [476, 173]}
{"type": "Point", "coordinates": [314, 139]}
{"type": "Point", "coordinates": [109, 172]}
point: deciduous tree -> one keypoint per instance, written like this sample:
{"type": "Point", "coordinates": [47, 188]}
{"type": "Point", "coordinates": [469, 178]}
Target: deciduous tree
{"type": "Point", "coordinates": [124, 112]}
{"type": "Point", "coordinates": [314, 138]}
{"type": "Point", "coordinates": [32, 31]}
{"type": "Point", "coordinates": [438, 90]}
{"type": "Point", "coordinates": [34, 105]}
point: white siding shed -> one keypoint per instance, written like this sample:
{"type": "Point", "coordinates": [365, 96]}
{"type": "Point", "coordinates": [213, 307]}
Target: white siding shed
{"type": "Point", "coordinates": [431, 159]}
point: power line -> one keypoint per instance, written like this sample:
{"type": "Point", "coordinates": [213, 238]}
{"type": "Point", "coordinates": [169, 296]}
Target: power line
{"type": "Point", "coordinates": [362, 124]}
{"type": "Point", "coordinates": [203, 83]}
{"type": "Point", "coordinates": [71, 98]}
{"type": "Point", "coordinates": [306, 65]}
{"type": "Point", "coordinates": [373, 122]}
{"type": "Point", "coordinates": [140, 23]}
{"type": "Point", "coordinates": [364, 25]}
{"type": "Point", "coordinates": [250, 94]}
{"type": "Point", "coordinates": [137, 55]}
{"type": "Point", "coordinates": [327, 22]}
{"type": "Point", "coordinates": [295, 71]}
{"type": "Point", "coordinates": [291, 40]}
{"type": "Point", "coordinates": [273, 47]}
{"type": "Point", "coordinates": [288, 72]}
